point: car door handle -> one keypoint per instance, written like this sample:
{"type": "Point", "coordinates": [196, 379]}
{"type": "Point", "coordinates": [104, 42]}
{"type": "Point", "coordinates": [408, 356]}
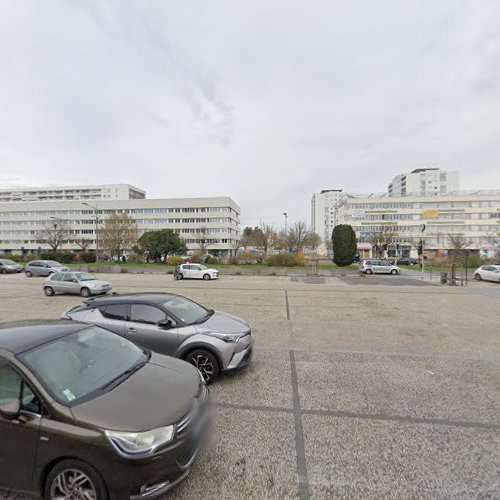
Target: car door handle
{"type": "Point", "coordinates": [130, 329]}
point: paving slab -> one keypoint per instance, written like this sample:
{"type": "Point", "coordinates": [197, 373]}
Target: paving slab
{"type": "Point", "coordinates": [265, 382]}
{"type": "Point", "coordinates": [251, 455]}
{"type": "Point", "coordinates": [353, 458]}
{"type": "Point", "coordinates": [452, 390]}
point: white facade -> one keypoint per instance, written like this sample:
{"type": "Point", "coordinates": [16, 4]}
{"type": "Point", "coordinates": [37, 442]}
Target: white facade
{"type": "Point", "coordinates": [424, 182]}
{"type": "Point", "coordinates": [63, 193]}
{"type": "Point", "coordinates": [22, 223]}
{"type": "Point", "coordinates": [474, 215]}
{"type": "Point", "coordinates": [323, 214]}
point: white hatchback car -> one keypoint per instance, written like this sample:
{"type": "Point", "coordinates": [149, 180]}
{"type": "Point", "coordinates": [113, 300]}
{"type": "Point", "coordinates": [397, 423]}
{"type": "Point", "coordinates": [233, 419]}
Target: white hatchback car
{"type": "Point", "coordinates": [488, 273]}
{"type": "Point", "coordinates": [374, 266]}
{"type": "Point", "coordinates": [197, 271]}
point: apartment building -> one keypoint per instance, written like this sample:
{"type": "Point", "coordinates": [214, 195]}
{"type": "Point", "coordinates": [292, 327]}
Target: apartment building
{"type": "Point", "coordinates": [63, 193]}
{"type": "Point", "coordinates": [322, 214]}
{"type": "Point", "coordinates": [475, 215]}
{"type": "Point", "coordinates": [22, 223]}
{"type": "Point", "coordinates": [424, 182]}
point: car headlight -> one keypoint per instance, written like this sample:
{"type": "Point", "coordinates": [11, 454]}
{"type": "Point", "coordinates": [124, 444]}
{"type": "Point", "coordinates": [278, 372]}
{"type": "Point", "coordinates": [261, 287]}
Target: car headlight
{"type": "Point", "coordinates": [133, 444]}
{"type": "Point", "coordinates": [227, 337]}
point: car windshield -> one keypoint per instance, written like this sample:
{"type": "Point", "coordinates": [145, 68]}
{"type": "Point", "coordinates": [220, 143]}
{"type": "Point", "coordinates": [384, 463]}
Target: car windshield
{"type": "Point", "coordinates": [203, 267]}
{"type": "Point", "coordinates": [85, 277]}
{"type": "Point", "coordinates": [186, 310]}
{"type": "Point", "coordinates": [77, 365]}
{"type": "Point", "coordinates": [8, 262]}
{"type": "Point", "coordinates": [53, 263]}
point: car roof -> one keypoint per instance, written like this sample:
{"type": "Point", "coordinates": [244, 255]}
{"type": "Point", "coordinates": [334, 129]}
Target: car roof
{"type": "Point", "coordinates": [20, 336]}
{"type": "Point", "coordinates": [148, 297]}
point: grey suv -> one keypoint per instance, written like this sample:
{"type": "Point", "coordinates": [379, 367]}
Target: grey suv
{"type": "Point", "coordinates": [43, 268]}
{"type": "Point", "coordinates": [171, 324]}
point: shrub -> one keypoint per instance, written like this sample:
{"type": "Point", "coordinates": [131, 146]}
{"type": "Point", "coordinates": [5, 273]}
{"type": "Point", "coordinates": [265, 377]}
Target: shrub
{"type": "Point", "coordinates": [88, 257]}
{"type": "Point", "coordinates": [286, 260]}
{"type": "Point", "coordinates": [211, 261]}
{"type": "Point", "coordinates": [174, 260]}
{"type": "Point", "coordinates": [197, 257]}
{"type": "Point", "coordinates": [233, 260]}
{"type": "Point", "coordinates": [344, 245]}
{"type": "Point", "coordinates": [60, 256]}
{"type": "Point", "coordinates": [16, 258]}
{"type": "Point", "coordinates": [246, 258]}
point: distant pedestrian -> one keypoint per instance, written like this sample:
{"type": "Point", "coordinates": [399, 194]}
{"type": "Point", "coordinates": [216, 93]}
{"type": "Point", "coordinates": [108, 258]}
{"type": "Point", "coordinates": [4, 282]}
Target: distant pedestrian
{"type": "Point", "coordinates": [177, 271]}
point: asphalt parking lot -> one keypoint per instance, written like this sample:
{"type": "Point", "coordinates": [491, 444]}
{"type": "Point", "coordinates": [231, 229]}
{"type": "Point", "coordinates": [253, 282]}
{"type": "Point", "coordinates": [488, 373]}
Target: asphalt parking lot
{"type": "Point", "coordinates": [388, 391]}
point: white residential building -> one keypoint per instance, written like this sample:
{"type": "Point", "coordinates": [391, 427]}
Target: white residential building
{"type": "Point", "coordinates": [424, 182]}
{"type": "Point", "coordinates": [322, 214]}
{"type": "Point", "coordinates": [474, 214]}
{"type": "Point", "coordinates": [22, 223]}
{"type": "Point", "coordinates": [61, 193]}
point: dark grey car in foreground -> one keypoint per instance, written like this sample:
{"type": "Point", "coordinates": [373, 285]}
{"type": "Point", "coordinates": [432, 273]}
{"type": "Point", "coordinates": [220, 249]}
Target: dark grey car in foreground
{"type": "Point", "coordinates": [213, 341]}
{"type": "Point", "coordinates": [86, 414]}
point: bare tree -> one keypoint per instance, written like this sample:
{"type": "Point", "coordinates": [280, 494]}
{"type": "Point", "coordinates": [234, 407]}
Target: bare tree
{"type": "Point", "coordinates": [54, 236]}
{"type": "Point", "coordinates": [314, 240]}
{"type": "Point", "coordinates": [263, 237]}
{"type": "Point", "coordinates": [458, 245]}
{"type": "Point", "coordinates": [298, 234]}
{"type": "Point", "coordinates": [119, 233]}
{"type": "Point", "coordinates": [202, 239]}
{"type": "Point", "coordinates": [381, 240]}
{"type": "Point", "coordinates": [83, 243]}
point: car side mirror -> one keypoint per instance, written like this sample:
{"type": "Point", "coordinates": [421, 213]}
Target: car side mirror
{"type": "Point", "coordinates": [10, 408]}
{"type": "Point", "coordinates": [165, 324]}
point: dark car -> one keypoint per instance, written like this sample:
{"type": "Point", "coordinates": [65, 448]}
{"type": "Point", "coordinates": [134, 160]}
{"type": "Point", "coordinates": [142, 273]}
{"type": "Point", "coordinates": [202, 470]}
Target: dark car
{"type": "Point", "coordinates": [87, 414]}
{"type": "Point", "coordinates": [213, 341]}
{"type": "Point", "coordinates": [407, 261]}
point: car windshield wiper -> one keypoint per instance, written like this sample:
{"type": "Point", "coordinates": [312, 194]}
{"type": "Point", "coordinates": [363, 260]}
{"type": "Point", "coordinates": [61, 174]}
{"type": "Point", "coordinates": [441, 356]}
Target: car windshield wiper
{"type": "Point", "coordinates": [208, 314]}
{"type": "Point", "coordinates": [125, 375]}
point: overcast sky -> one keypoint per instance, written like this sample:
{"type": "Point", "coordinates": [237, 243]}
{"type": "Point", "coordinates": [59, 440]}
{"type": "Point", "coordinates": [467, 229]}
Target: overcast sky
{"type": "Point", "coordinates": [264, 101]}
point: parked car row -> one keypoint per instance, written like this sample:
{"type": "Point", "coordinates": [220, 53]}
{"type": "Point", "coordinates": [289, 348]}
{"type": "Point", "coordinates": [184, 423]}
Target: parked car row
{"type": "Point", "coordinates": [111, 401]}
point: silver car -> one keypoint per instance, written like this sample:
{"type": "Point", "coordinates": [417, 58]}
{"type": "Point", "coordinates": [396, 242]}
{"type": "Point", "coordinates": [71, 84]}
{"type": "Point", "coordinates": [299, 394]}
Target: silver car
{"type": "Point", "coordinates": [83, 284]}
{"type": "Point", "coordinates": [174, 325]}
{"type": "Point", "coordinates": [43, 268]}
{"type": "Point", "coordinates": [374, 266]}
{"type": "Point", "coordinates": [9, 266]}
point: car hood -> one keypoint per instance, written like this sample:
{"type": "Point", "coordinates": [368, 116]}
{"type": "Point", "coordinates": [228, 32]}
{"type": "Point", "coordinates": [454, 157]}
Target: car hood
{"type": "Point", "coordinates": [158, 394]}
{"type": "Point", "coordinates": [210, 269]}
{"type": "Point", "coordinates": [13, 266]}
{"type": "Point", "coordinates": [95, 282]}
{"type": "Point", "coordinates": [223, 323]}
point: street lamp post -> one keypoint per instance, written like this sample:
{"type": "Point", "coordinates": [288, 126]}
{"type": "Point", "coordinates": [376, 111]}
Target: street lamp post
{"type": "Point", "coordinates": [96, 231]}
{"type": "Point", "coordinates": [286, 230]}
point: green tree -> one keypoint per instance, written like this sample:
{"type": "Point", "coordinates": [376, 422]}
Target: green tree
{"type": "Point", "coordinates": [155, 244]}
{"type": "Point", "coordinates": [344, 245]}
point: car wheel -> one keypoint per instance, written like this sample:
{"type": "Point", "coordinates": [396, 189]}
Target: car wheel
{"type": "Point", "coordinates": [180, 276]}
{"type": "Point", "coordinates": [29, 274]}
{"type": "Point", "coordinates": [477, 276]}
{"type": "Point", "coordinates": [206, 363]}
{"type": "Point", "coordinates": [394, 271]}
{"type": "Point", "coordinates": [3, 271]}
{"type": "Point", "coordinates": [49, 291]}
{"type": "Point", "coordinates": [74, 479]}
{"type": "Point", "coordinates": [85, 292]}
{"type": "Point", "coordinates": [206, 277]}
{"type": "Point", "coordinates": [368, 271]}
